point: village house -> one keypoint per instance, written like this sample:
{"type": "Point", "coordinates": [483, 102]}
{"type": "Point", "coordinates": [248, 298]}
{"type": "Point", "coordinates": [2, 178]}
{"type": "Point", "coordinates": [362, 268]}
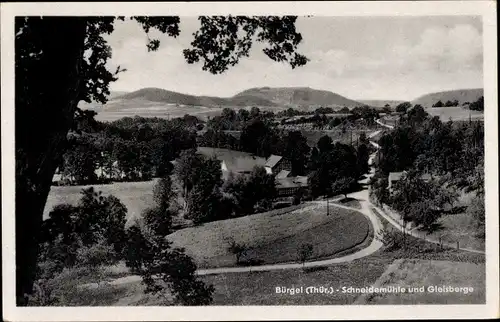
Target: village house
{"type": "Point", "coordinates": [237, 162]}
{"type": "Point", "coordinates": [232, 161]}
{"type": "Point", "coordinates": [275, 164]}
{"type": "Point", "coordinates": [289, 186]}
{"type": "Point", "coordinates": [396, 176]}
{"type": "Point", "coordinates": [393, 178]}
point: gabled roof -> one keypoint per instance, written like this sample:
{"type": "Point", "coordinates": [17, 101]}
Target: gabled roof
{"type": "Point", "coordinates": [235, 161]}
{"type": "Point", "coordinates": [283, 174]}
{"type": "Point", "coordinates": [291, 182]}
{"type": "Point", "coordinates": [273, 160]}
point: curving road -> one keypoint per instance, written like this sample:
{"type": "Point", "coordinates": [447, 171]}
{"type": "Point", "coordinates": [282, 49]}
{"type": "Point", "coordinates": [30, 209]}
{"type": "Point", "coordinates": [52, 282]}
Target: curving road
{"type": "Point", "coordinates": [366, 206]}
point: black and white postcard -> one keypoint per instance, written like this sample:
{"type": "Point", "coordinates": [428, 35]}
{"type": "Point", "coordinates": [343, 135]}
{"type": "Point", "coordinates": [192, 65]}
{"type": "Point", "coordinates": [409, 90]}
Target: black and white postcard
{"type": "Point", "coordinates": [249, 160]}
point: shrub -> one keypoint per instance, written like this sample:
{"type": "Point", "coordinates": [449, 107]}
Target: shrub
{"type": "Point", "coordinates": [392, 239]}
{"type": "Point", "coordinates": [96, 255]}
{"type": "Point", "coordinates": [304, 252]}
{"type": "Point", "coordinates": [237, 249]}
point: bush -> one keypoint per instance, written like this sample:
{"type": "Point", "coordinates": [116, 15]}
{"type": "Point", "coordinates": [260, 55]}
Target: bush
{"type": "Point", "coordinates": [392, 239]}
{"type": "Point", "coordinates": [304, 252]}
{"type": "Point", "coordinates": [135, 249]}
{"type": "Point", "coordinates": [237, 249]}
{"type": "Point", "coordinates": [96, 255]}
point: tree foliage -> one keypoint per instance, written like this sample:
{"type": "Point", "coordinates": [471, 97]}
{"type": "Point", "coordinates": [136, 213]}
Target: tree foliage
{"type": "Point", "coordinates": [74, 52]}
{"type": "Point", "coordinates": [477, 105]}
{"type": "Point", "coordinates": [403, 107]}
{"type": "Point", "coordinates": [343, 185]}
{"type": "Point", "coordinates": [223, 40]}
{"type": "Point", "coordinates": [304, 252]}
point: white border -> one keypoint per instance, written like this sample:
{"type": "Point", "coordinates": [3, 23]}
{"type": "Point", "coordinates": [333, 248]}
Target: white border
{"type": "Point", "coordinates": [486, 9]}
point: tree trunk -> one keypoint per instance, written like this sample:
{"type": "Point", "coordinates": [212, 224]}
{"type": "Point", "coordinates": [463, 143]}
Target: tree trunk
{"type": "Point", "coordinates": [47, 94]}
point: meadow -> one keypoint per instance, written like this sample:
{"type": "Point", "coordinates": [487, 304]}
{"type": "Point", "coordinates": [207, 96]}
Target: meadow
{"type": "Point", "coordinates": [116, 109]}
{"type": "Point", "coordinates": [460, 227]}
{"type": "Point", "coordinates": [430, 274]}
{"type": "Point", "coordinates": [455, 113]}
{"type": "Point", "coordinates": [136, 196]}
{"type": "Point", "coordinates": [274, 237]}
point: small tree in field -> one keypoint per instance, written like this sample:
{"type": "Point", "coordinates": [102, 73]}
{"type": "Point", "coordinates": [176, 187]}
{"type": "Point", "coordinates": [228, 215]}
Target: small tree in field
{"type": "Point", "coordinates": [237, 249]}
{"type": "Point", "coordinates": [305, 252]}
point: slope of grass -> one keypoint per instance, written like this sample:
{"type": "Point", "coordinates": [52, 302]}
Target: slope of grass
{"type": "Point", "coordinates": [455, 113]}
{"type": "Point", "coordinates": [460, 227]}
{"type": "Point", "coordinates": [461, 95]}
{"type": "Point", "coordinates": [273, 238]}
{"type": "Point", "coordinates": [425, 276]}
{"type": "Point", "coordinates": [349, 202]}
{"type": "Point", "coordinates": [418, 248]}
{"type": "Point", "coordinates": [258, 288]}
{"type": "Point", "coordinates": [136, 196]}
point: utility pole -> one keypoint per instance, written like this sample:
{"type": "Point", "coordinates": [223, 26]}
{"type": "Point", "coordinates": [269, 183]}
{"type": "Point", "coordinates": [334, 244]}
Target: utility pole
{"type": "Point", "coordinates": [327, 207]}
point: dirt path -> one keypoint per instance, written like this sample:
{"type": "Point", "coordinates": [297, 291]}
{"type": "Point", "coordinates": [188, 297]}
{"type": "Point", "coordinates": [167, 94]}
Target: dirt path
{"type": "Point", "coordinates": [373, 247]}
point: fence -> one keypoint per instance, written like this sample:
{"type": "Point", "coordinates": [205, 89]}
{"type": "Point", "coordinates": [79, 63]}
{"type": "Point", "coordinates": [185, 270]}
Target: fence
{"type": "Point", "coordinates": [412, 230]}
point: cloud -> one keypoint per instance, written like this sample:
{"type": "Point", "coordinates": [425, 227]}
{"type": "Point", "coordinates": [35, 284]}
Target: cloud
{"type": "Point", "coordinates": [437, 58]}
{"type": "Point", "coordinates": [438, 49]}
{"type": "Point", "coordinates": [442, 49]}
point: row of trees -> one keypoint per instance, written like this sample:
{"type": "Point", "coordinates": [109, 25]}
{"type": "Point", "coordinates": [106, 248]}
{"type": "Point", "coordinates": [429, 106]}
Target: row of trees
{"type": "Point", "coordinates": [477, 105]}
{"type": "Point", "coordinates": [447, 104]}
{"type": "Point", "coordinates": [139, 148]}
{"type": "Point", "coordinates": [231, 120]}
{"type": "Point", "coordinates": [127, 149]}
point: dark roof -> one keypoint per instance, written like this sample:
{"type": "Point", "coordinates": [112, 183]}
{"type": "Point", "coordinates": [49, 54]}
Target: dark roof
{"type": "Point", "coordinates": [273, 160]}
{"type": "Point", "coordinates": [395, 176]}
{"type": "Point", "coordinates": [236, 161]}
{"type": "Point", "coordinates": [291, 182]}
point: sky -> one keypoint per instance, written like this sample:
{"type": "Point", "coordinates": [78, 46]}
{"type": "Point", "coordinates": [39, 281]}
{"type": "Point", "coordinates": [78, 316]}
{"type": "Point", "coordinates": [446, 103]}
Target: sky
{"type": "Point", "coordinates": [396, 58]}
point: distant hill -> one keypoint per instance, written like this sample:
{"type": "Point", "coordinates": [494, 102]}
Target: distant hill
{"type": "Point", "coordinates": [461, 95]}
{"type": "Point", "coordinates": [381, 103]}
{"type": "Point", "coordinates": [115, 94]}
{"type": "Point", "coordinates": [298, 97]}
{"type": "Point", "coordinates": [170, 97]}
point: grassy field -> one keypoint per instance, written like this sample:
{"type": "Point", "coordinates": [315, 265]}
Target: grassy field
{"type": "Point", "coordinates": [349, 202]}
{"type": "Point", "coordinates": [259, 288]}
{"type": "Point", "coordinates": [253, 288]}
{"type": "Point", "coordinates": [456, 113]}
{"type": "Point", "coordinates": [273, 238]}
{"type": "Point", "coordinates": [117, 109]}
{"type": "Point", "coordinates": [418, 248]}
{"type": "Point", "coordinates": [429, 274]}
{"type": "Point", "coordinates": [460, 227]}
{"type": "Point", "coordinates": [136, 196]}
